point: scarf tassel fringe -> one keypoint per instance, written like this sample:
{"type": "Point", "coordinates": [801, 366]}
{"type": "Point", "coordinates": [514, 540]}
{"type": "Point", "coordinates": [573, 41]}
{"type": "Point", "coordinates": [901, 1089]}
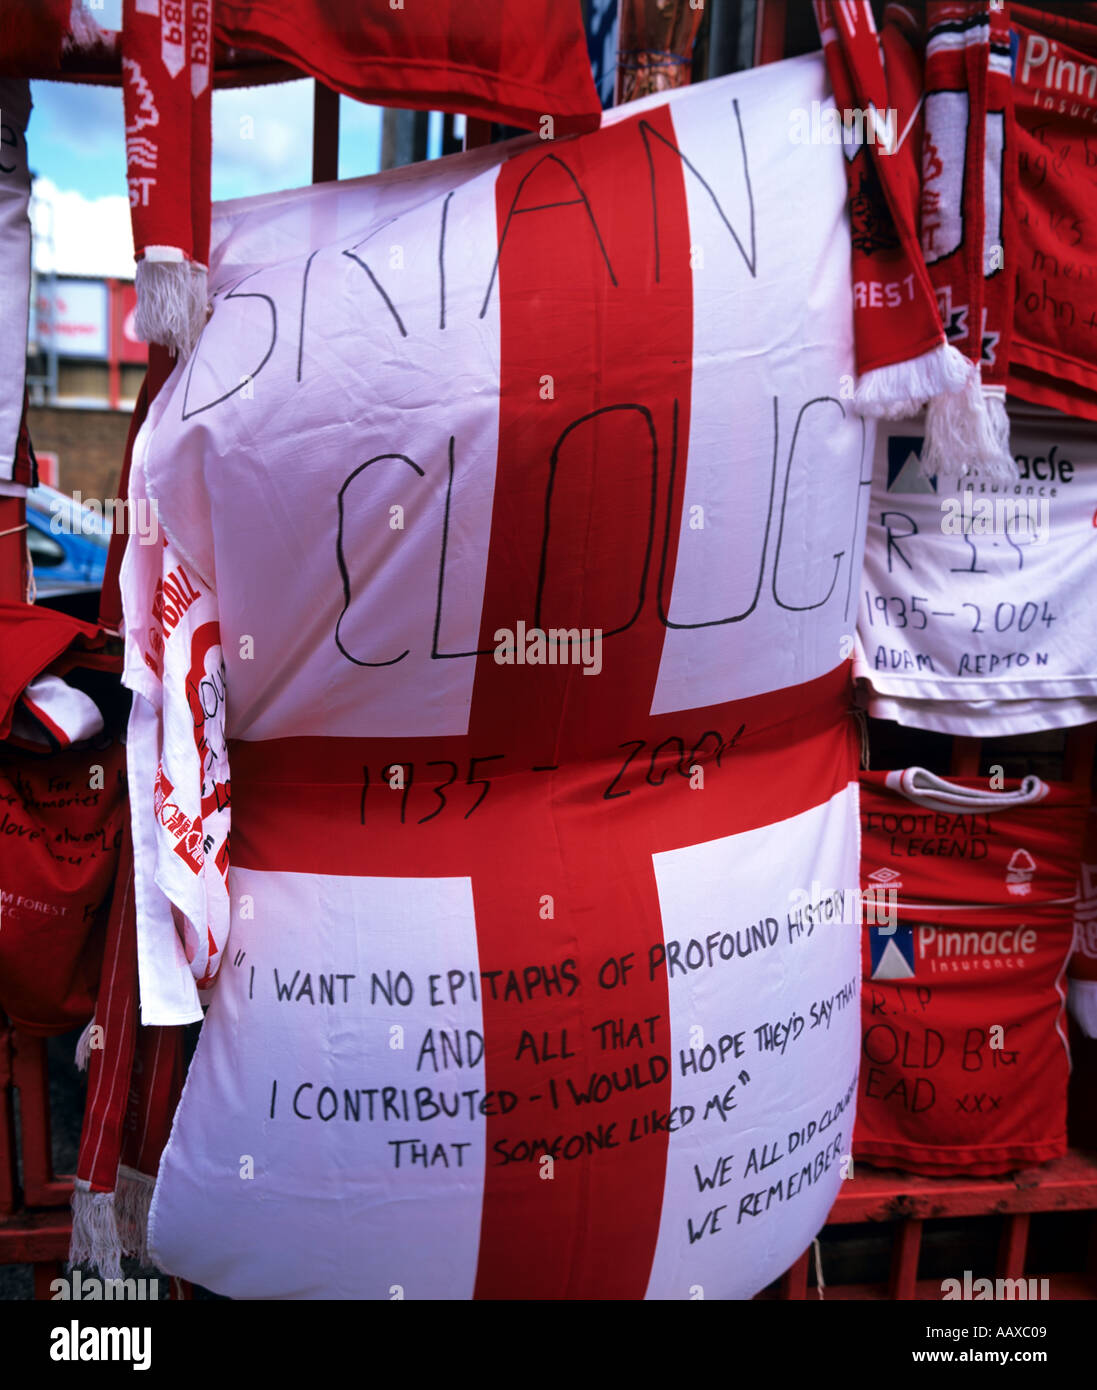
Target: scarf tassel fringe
{"type": "Point", "coordinates": [172, 300]}
{"type": "Point", "coordinates": [108, 1225]}
{"type": "Point", "coordinates": [966, 428]}
{"type": "Point", "coordinates": [901, 389]}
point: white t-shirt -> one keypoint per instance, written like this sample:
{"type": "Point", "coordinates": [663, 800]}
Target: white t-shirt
{"type": "Point", "coordinates": [976, 608]}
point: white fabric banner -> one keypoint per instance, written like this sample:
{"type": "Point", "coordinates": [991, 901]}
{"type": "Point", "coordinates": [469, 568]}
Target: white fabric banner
{"type": "Point", "coordinates": [531, 513]}
{"type": "Point", "coordinates": [976, 613]}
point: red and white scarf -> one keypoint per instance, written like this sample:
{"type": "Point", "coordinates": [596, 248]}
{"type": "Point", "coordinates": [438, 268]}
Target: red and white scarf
{"type": "Point", "coordinates": [134, 1081]}
{"type": "Point", "coordinates": [135, 1073]}
{"type": "Point", "coordinates": [918, 232]}
{"type": "Point", "coordinates": [166, 85]}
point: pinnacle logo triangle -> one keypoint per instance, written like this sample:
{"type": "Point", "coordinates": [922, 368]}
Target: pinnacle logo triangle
{"type": "Point", "coordinates": [892, 953]}
{"type": "Point", "coordinates": [905, 465]}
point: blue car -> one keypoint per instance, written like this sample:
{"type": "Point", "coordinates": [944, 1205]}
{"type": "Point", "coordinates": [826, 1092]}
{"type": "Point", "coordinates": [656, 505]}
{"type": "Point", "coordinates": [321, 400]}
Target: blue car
{"type": "Point", "coordinates": [68, 544]}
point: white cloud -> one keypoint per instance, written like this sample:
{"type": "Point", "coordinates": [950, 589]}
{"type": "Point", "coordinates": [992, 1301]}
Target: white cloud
{"type": "Point", "coordinates": [90, 236]}
{"type": "Point", "coordinates": [262, 139]}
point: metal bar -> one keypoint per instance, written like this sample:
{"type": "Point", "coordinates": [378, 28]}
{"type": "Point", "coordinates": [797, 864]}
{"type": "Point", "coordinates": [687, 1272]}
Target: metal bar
{"type": "Point", "coordinates": [1091, 1255]}
{"type": "Point", "coordinates": [32, 1237]}
{"type": "Point", "coordinates": [965, 757]}
{"type": "Point", "coordinates": [325, 134]}
{"type": "Point", "coordinates": [769, 31]}
{"type": "Point", "coordinates": [723, 38]}
{"type": "Point", "coordinates": [1078, 754]}
{"type": "Point", "coordinates": [904, 1260]}
{"type": "Point", "coordinates": [1065, 1184]}
{"type": "Point", "coordinates": [114, 343]}
{"type": "Point", "coordinates": [1013, 1246]}
{"type": "Point", "coordinates": [31, 1076]}
{"type": "Point", "coordinates": [477, 132]}
{"type": "Point", "coordinates": [13, 548]}
{"type": "Point", "coordinates": [8, 1170]}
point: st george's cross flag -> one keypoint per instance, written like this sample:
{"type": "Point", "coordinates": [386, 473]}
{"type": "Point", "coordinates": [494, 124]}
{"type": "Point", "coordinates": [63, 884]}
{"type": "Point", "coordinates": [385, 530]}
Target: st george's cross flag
{"type": "Point", "coordinates": [513, 520]}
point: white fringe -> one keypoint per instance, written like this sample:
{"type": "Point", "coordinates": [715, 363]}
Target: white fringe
{"type": "Point", "coordinates": [132, 1199]}
{"type": "Point", "coordinates": [967, 431]}
{"type": "Point", "coordinates": [1001, 458]}
{"type": "Point", "coordinates": [172, 299]}
{"type": "Point", "coordinates": [94, 1232]}
{"type": "Point", "coordinates": [108, 1225]}
{"type": "Point", "coordinates": [83, 1047]}
{"type": "Point", "coordinates": [902, 389]}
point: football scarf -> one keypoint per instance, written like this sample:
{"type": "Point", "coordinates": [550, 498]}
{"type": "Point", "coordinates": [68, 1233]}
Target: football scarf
{"type": "Point", "coordinates": [975, 610]}
{"type": "Point", "coordinates": [166, 86]}
{"type": "Point", "coordinates": [135, 1072]}
{"type": "Point", "coordinates": [134, 1078]}
{"type": "Point", "coordinates": [964, 1057]}
{"type": "Point", "coordinates": [906, 355]}
{"type": "Point", "coordinates": [533, 551]}
{"type": "Point", "coordinates": [968, 179]}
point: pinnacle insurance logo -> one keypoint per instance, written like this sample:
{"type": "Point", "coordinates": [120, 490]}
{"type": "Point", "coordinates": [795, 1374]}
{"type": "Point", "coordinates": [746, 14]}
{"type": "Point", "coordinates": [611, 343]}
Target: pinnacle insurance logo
{"type": "Point", "coordinates": [892, 953]}
{"type": "Point", "coordinates": [921, 948]}
{"type": "Point", "coordinates": [1024, 518]}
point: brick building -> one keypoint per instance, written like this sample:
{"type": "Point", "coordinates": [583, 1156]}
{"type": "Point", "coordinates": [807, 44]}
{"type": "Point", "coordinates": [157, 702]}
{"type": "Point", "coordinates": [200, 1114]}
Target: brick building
{"type": "Point", "coordinates": [84, 370]}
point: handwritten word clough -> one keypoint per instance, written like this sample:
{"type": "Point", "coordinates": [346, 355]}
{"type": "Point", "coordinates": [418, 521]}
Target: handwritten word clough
{"type": "Point", "coordinates": [269, 309]}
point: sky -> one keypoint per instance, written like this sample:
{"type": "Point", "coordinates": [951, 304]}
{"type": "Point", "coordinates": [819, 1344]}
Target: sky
{"type": "Point", "coordinates": [76, 146]}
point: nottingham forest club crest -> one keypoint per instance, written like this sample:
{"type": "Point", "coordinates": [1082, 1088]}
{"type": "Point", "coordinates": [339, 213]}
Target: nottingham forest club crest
{"type": "Point", "coordinates": [871, 227]}
{"type": "Point", "coordinates": [1019, 873]}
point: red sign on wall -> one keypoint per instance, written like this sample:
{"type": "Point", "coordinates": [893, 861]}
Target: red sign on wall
{"type": "Point", "coordinates": [125, 346]}
{"type": "Point", "coordinates": [48, 466]}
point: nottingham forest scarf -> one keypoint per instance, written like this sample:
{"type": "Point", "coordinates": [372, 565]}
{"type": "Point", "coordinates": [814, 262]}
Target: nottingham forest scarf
{"type": "Point", "coordinates": [166, 88]}
{"type": "Point", "coordinates": [134, 1080]}
{"type": "Point", "coordinates": [919, 259]}
{"type": "Point", "coordinates": [134, 1072]}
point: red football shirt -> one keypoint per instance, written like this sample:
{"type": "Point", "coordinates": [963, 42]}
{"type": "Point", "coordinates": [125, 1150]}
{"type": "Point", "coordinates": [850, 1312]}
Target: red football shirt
{"type": "Point", "coordinates": [964, 1058]}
